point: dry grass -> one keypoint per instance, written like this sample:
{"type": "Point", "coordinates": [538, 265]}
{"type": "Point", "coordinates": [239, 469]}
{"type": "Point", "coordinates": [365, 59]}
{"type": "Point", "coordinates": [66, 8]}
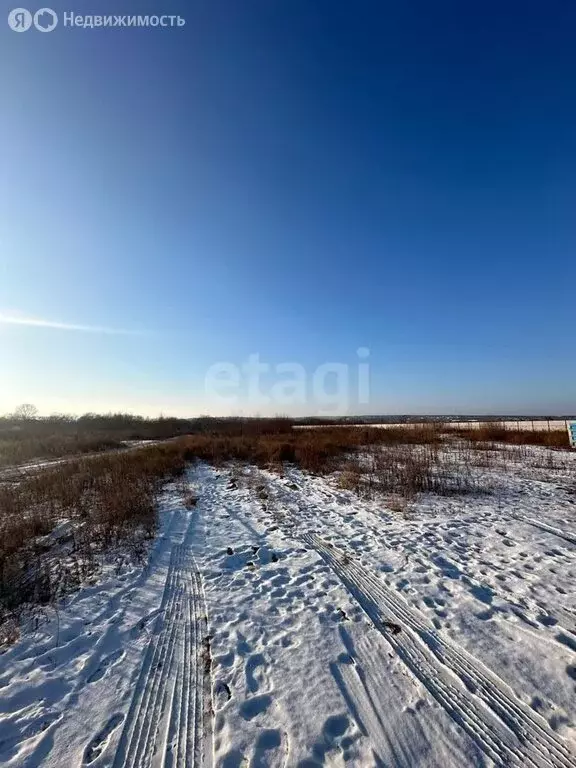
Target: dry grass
{"type": "Point", "coordinates": [401, 471]}
{"type": "Point", "coordinates": [496, 432]}
{"type": "Point", "coordinates": [23, 440]}
{"type": "Point", "coordinates": [55, 525]}
{"type": "Point", "coordinates": [314, 450]}
{"type": "Point", "coordinates": [407, 470]}
{"type": "Point", "coordinates": [19, 449]}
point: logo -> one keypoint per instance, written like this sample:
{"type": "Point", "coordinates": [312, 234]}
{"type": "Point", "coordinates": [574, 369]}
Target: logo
{"type": "Point", "coordinates": [45, 20]}
{"type": "Point", "coordinates": [20, 20]}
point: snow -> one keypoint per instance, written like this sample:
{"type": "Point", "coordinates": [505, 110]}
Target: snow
{"type": "Point", "coordinates": [339, 632]}
{"type": "Point", "coordinates": [536, 425]}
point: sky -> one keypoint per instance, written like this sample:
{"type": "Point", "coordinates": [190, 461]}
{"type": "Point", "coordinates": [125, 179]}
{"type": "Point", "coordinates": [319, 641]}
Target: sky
{"type": "Point", "coordinates": [215, 218]}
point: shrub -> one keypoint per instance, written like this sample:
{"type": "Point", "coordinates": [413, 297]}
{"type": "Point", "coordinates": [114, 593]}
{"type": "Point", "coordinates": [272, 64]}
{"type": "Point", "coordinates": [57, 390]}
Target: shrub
{"type": "Point", "coordinates": [105, 501]}
{"type": "Point", "coordinates": [494, 432]}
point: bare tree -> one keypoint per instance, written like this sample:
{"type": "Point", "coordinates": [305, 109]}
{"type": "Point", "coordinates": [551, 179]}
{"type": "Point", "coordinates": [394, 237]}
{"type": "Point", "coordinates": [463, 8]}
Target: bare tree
{"type": "Point", "coordinates": [26, 412]}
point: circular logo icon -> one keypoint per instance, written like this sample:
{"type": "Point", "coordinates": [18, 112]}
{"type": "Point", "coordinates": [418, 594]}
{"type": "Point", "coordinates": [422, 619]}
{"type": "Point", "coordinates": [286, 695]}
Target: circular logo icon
{"type": "Point", "coordinates": [45, 20]}
{"type": "Point", "coordinates": [20, 20]}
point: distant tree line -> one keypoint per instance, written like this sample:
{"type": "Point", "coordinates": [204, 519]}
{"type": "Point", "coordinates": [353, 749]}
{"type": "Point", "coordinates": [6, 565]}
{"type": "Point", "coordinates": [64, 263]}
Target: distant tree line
{"type": "Point", "coordinates": [25, 422]}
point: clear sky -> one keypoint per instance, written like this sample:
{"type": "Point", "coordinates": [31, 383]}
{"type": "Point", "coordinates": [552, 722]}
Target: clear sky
{"type": "Point", "coordinates": [293, 179]}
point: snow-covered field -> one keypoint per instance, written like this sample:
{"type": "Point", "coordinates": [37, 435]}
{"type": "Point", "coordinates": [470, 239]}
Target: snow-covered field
{"type": "Point", "coordinates": [284, 622]}
{"type": "Point", "coordinates": [525, 424]}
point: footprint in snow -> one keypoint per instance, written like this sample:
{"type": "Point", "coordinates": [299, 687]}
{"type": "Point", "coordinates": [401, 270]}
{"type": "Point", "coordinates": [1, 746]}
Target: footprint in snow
{"type": "Point", "coordinates": [105, 665]}
{"type": "Point", "coordinates": [254, 676]}
{"type": "Point", "coordinates": [100, 741]}
{"type": "Point", "coordinates": [337, 736]}
{"type": "Point", "coordinates": [270, 749]}
{"type": "Point", "coordinates": [255, 706]}
{"type": "Point", "coordinates": [222, 695]}
{"type": "Point", "coordinates": [30, 731]}
{"type": "Point", "coordinates": [243, 647]}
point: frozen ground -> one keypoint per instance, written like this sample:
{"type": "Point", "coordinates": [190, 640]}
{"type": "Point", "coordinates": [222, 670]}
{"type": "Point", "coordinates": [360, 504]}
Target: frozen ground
{"type": "Point", "coordinates": [528, 424]}
{"type": "Point", "coordinates": [285, 622]}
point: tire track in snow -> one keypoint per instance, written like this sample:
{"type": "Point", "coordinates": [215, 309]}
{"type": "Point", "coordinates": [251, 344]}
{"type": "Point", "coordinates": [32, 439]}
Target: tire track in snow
{"type": "Point", "coordinates": [505, 728]}
{"type": "Point", "coordinates": [566, 535]}
{"type": "Point", "coordinates": [564, 616]}
{"type": "Point", "coordinates": [170, 714]}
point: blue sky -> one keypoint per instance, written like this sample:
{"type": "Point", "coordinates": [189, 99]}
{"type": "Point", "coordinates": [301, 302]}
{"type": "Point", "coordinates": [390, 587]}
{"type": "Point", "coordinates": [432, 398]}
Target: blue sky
{"type": "Point", "coordinates": [296, 180]}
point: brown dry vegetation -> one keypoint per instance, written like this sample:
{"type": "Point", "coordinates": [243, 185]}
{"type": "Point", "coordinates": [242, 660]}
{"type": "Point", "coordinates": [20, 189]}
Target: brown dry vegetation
{"type": "Point", "coordinates": [26, 439]}
{"type": "Point", "coordinates": [314, 450]}
{"type": "Point", "coordinates": [495, 432]}
{"type": "Point", "coordinates": [18, 451]}
{"type": "Point", "coordinates": [57, 524]}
